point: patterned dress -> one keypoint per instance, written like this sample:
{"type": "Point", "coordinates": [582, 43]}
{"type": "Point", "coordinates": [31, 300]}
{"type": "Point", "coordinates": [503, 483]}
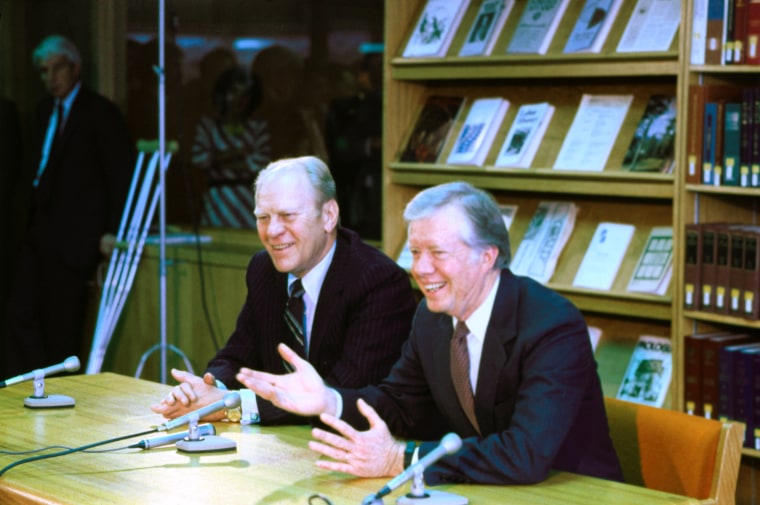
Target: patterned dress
{"type": "Point", "coordinates": [231, 156]}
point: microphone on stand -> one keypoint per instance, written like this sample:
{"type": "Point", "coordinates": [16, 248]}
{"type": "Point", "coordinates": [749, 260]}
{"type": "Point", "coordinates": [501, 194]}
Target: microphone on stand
{"type": "Point", "coordinates": [450, 444]}
{"type": "Point", "coordinates": [195, 442]}
{"type": "Point", "coordinates": [152, 443]}
{"type": "Point", "coordinates": [70, 364]}
{"type": "Point", "coordinates": [39, 399]}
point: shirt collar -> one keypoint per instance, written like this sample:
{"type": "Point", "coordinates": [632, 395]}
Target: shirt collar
{"type": "Point", "coordinates": [69, 99]}
{"type": "Point", "coordinates": [477, 323]}
{"type": "Point", "coordinates": [312, 281]}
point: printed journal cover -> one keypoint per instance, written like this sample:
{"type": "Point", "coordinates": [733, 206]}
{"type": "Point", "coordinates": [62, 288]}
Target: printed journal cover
{"type": "Point", "coordinates": [651, 149]}
{"type": "Point", "coordinates": [432, 128]}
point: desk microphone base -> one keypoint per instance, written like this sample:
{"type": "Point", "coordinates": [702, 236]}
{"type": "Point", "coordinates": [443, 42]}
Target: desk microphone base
{"type": "Point", "coordinates": [432, 497]}
{"type": "Point", "coordinates": [49, 402]}
{"type": "Point", "coordinates": [211, 443]}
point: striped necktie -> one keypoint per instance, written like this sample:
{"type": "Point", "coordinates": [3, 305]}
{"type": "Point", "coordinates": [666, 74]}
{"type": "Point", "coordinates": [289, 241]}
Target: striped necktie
{"type": "Point", "coordinates": [460, 372]}
{"type": "Point", "coordinates": [294, 319]}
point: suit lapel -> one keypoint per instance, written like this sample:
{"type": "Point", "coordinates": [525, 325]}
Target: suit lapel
{"type": "Point", "coordinates": [501, 329]}
{"type": "Point", "coordinates": [332, 290]}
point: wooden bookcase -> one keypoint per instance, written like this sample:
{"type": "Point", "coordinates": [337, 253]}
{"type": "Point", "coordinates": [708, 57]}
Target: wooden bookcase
{"type": "Point", "coordinates": [642, 199]}
{"type": "Point", "coordinates": [700, 203]}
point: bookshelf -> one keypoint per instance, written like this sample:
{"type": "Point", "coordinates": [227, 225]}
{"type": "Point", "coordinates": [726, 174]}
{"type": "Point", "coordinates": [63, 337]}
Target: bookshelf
{"type": "Point", "coordinates": [642, 199]}
{"type": "Point", "coordinates": [700, 203]}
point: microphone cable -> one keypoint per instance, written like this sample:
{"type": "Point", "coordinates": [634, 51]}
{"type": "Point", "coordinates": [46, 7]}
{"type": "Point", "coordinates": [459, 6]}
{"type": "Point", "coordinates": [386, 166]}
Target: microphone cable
{"type": "Point", "coordinates": [51, 447]}
{"type": "Point", "coordinates": [74, 449]}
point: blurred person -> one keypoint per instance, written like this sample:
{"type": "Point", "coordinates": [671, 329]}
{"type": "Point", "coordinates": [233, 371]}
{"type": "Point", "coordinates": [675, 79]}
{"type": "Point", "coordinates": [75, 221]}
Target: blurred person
{"type": "Point", "coordinates": [354, 143]}
{"type": "Point", "coordinates": [293, 123]}
{"type": "Point", "coordinates": [342, 303]}
{"type": "Point", "coordinates": [79, 186]}
{"type": "Point", "coordinates": [231, 148]}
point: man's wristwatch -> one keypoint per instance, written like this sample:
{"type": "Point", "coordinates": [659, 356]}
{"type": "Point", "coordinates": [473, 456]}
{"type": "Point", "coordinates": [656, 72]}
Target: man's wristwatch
{"type": "Point", "coordinates": [234, 415]}
{"type": "Point", "coordinates": [409, 453]}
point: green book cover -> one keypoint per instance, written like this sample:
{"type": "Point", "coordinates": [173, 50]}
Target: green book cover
{"type": "Point", "coordinates": [732, 143]}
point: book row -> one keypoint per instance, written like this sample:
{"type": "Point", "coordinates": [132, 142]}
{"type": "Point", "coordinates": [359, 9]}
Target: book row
{"type": "Point", "coordinates": [548, 232]}
{"type": "Point", "coordinates": [586, 146]}
{"type": "Point", "coordinates": [722, 379]}
{"type": "Point", "coordinates": [725, 32]}
{"type": "Point", "coordinates": [651, 27]}
{"type": "Point", "coordinates": [721, 272]}
{"type": "Point", "coordinates": [723, 139]}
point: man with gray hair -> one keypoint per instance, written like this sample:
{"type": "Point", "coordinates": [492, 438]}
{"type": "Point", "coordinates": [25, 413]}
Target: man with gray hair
{"type": "Point", "coordinates": [501, 360]}
{"type": "Point", "coordinates": [79, 182]}
{"type": "Point", "coordinates": [338, 302]}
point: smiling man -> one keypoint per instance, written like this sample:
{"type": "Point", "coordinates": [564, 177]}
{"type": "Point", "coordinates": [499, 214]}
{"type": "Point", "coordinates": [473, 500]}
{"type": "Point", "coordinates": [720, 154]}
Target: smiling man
{"type": "Point", "coordinates": [356, 304]}
{"type": "Point", "coordinates": [517, 380]}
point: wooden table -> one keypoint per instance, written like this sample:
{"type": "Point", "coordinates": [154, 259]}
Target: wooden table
{"type": "Point", "coordinates": [270, 466]}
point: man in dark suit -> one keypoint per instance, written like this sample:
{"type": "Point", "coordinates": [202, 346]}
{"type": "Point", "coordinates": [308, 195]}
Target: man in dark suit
{"type": "Point", "coordinates": [523, 352]}
{"type": "Point", "coordinates": [80, 183]}
{"type": "Point", "coordinates": [358, 302]}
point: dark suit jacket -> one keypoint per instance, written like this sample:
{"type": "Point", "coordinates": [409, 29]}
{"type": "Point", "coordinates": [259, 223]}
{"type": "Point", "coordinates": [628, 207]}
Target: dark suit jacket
{"type": "Point", "coordinates": [82, 191]}
{"type": "Point", "coordinates": [538, 401]}
{"type": "Point", "coordinates": [363, 316]}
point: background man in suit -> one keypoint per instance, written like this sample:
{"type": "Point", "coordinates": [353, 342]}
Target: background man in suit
{"type": "Point", "coordinates": [525, 355]}
{"type": "Point", "coordinates": [80, 183]}
{"type": "Point", "coordinates": [358, 302]}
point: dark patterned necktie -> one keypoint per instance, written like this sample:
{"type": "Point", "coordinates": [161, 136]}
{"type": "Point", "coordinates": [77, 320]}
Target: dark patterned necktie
{"type": "Point", "coordinates": [59, 125]}
{"type": "Point", "coordinates": [294, 318]}
{"type": "Point", "coordinates": [460, 372]}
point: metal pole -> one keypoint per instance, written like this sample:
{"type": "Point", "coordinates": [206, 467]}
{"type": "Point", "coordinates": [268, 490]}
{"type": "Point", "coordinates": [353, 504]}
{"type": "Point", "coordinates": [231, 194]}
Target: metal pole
{"type": "Point", "coordinates": [162, 181]}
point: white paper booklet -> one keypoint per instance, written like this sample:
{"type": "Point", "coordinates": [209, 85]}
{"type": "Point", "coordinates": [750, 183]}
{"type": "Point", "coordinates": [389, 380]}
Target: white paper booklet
{"type": "Point", "coordinates": [537, 25]}
{"type": "Point", "coordinates": [548, 232]}
{"type": "Point", "coordinates": [655, 266]}
{"type": "Point", "coordinates": [486, 28]}
{"type": "Point", "coordinates": [435, 28]}
{"type": "Point", "coordinates": [593, 25]}
{"type": "Point", "coordinates": [698, 32]}
{"type": "Point", "coordinates": [649, 371]}
{"type": "Point", "coordinates": [595, 335]}
{"type": "Point", "coordinates": [478, 131]}
{"type": "Point", "coordinates": [508, 214]}
{"type": "Point", "coordinates": [652, 26]}
{"type": "Point", "coordinates": [604, 255]}
{"type": "Point", "coordinates": [525, 135]}
{"type": "Point", "coordinates": [593, 132]}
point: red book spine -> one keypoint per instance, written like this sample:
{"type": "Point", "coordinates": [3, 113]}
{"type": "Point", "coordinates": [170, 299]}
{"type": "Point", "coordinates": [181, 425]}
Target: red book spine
{"type": "Point", "coordinates": [752, 40]}
{"type": "Point", "coordinates": [692, 296]}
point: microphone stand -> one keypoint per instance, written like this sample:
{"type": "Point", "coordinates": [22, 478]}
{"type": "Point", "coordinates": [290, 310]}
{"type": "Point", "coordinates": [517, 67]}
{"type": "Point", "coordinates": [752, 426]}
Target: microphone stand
{"type": "Point", "coordinates": [418, 496]}
{"type": "Point", "coordinates": [39, 400]}
{"type": "Point", "coordinates": [194, 442]}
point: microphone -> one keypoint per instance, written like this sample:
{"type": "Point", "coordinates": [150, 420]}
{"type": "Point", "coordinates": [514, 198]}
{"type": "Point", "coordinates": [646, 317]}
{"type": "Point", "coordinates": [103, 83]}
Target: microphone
{"type": "Point", "coordinates": [150, 443]}
{"type": "Point", "coordinates": [230, 401]}
{"type": "Point", "coordinates": [450, 444]}
{"type": "Point", "coordinates": [70, 364]}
